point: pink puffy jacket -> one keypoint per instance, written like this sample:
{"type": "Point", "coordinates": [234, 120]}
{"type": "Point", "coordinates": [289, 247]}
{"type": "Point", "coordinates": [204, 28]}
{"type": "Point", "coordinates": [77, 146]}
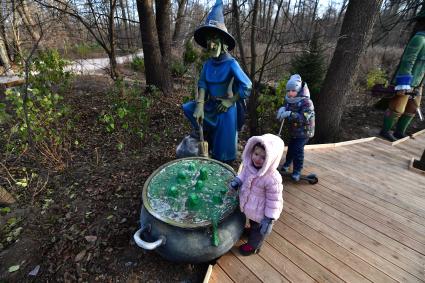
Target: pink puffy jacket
{"type": "Point", "coordinates": [261, 191]}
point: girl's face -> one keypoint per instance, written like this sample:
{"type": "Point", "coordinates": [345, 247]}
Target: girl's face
{"type": "Point", "coordinates": [292, 93]}
{"type": "Point", "coordinates": [258, 157]}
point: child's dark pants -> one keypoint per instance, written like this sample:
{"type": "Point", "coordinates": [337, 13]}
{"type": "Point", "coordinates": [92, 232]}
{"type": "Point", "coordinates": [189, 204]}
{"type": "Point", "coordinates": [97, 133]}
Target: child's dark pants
{"type": "Point", "coordinates": [255, 238]}
{"type": "Point", "coordinates": [296, 153]}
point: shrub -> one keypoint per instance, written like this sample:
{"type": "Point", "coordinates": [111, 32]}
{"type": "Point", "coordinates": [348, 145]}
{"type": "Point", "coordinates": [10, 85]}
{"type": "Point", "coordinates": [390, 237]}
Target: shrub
{"type": "Point", "coordinates": [43, 117]}
{"type": "Point", "coordinates": [138, 64]}
{"type": "Point", "coordinates": [311, 66]}
{"type": "Point", "coordinates": [178, 69]}
{"type": "Point", "coordinates": [84, 49]}
{"type": "Point", "coordinates": [190, 54]}
{"type": "Point", "coordinates": [127, 114]}
{"type": "Point", "coordinates": [376, 76]}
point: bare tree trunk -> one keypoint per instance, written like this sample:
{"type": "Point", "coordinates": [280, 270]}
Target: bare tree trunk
{"type": "Point", "coordinates": [271, 37]}
{"type": "Point", "coordinates": [152, 55]}
{"type": "Point", "coordinates": [269, 15]}
{"type": "Point", "coordinates": [3, 55]}
{"type": "Point", "coordinates": [313, 20]}
{"type": "Point", "coordinates": [123, 6]}
{"type": "Point", "coordinates": [353, 39]}
{"type": "Point", "coordinates": [341, 12]}
{"type": "Point", "coordinates": [179, 21]}
{"type": "Point", "coordinates": [163, 23]}
{"type": "Point", "coordinates": [235, 10]}
{"type": "Point", "coordinates": [133, 41]}
{"type": "Point", "coordinates": [253, 100]}
{"type": "Point", "coordinates": [111, 25]}
{"type": "Point", "coordinates": [4, 36]}
{"type": "Point", "coordinates": [28, 21]}
{"type": "Point", "coordinates": [15, 31]}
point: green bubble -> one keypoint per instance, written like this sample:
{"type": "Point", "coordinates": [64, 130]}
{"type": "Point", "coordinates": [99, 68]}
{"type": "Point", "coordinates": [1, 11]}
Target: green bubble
{"type": "Point", "coordinates": [203, 174]}
{"type": "Point", "coordinates": [191, 167]}
{"type": "Point", "coordinates": [199, 185]}
{"type": "Point", "coordinates": [217, 199]}
{"type": "Point", "coordinates": [173, 191]}
{"type": "Point", "coordinates": [223, 191]}
{"type": "Point", "coordinates": [181, 176]}
{"type": "Point", "coordinates": [193, 202]}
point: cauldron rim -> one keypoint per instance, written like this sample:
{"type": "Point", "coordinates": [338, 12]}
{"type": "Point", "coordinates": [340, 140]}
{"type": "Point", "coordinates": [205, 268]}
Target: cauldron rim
{"type": "Point", "coordinates": [169, 221]}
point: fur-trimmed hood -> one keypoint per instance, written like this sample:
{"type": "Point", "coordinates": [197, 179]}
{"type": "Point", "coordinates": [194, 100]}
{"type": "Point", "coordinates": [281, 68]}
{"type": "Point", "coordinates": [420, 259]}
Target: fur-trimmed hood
{"type": "Point", "coordinates": [274, 146]}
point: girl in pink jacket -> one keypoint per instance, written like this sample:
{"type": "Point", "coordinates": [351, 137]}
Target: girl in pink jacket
{"type": "Point", "coordinates": [260, 195]}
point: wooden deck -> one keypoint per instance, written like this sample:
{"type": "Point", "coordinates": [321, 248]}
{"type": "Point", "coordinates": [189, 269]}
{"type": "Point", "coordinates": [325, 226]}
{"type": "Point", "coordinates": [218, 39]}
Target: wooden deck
{"type": "Point", "coordinates": [364, 221]}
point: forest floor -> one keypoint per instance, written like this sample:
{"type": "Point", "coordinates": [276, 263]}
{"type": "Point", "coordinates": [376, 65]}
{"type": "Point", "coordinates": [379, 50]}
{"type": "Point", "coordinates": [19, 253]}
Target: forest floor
{"type": "Point", "coordinates": [77, 224]}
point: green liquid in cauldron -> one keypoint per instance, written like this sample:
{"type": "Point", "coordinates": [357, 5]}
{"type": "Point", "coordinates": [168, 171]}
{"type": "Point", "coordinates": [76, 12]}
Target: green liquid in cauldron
{"type": "Point", "coordinates": [192, 192]}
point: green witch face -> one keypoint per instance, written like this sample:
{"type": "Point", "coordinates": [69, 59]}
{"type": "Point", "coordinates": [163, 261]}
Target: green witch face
{"type": "Point", "coordinates": [214, 46]}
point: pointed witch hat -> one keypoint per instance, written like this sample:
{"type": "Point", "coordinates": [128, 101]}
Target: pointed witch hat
{"type": "Point", "coordinates": [214, 24]}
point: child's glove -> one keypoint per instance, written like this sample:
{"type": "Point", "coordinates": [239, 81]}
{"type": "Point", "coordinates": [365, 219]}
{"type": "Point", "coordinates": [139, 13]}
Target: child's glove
{"type": "Point", "coordinates": [285, 115]}
{"type": "Point", "coordinates": [280, 113]}
{"type": "Point", "coordinates": [236, 183]}
{"type": "Point", "coordinates": [266, 225]}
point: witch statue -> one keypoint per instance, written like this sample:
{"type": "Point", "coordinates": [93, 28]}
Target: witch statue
{"type": "Point", "coordinates": [222, 89]}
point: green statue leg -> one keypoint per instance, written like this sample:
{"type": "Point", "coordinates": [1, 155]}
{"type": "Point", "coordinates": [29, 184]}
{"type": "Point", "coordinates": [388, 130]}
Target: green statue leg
{"type": "Point", "coordinates": [402, 124]}
{"type": "Point", "coordinates": [390, 118]}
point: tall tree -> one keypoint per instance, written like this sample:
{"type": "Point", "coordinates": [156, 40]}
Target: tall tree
{"type": "Point", "coordinates": [28, 20]}
{"type": "Point", "coordinates": [253, 100]}
{"type": "Point", "coordinates": [124, 6]}
{"type": "Point", "coordinates": [179, 21]}
{"type": "Point", "coordinates": [163, 23]}
{"type": "Point", "coordinates": [155, 74]}
{"type": "Point", "coordinates": [354, 36]}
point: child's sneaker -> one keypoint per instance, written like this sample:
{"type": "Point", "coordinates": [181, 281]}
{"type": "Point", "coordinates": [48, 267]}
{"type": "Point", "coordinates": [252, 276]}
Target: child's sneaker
{"type": "Point", "coordinates": [296, 176]}
{"type": "Point", "coordinates": [247, 249]}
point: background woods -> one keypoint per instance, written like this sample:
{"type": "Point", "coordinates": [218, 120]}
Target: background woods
{"type": "Point", "coordinates": [75, 147]}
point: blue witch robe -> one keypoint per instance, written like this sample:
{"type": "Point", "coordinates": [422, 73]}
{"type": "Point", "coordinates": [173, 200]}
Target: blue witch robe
{"type": "Point", "coordinates": [221, 128]}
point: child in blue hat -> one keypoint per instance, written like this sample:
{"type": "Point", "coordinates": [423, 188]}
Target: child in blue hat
{"type": "Point", "coordinates": [298, 110]}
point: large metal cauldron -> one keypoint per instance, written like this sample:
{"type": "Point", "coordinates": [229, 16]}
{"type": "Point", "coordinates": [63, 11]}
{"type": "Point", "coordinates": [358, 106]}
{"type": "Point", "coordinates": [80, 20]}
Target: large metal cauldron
{"type": "Point", "coordinates": [187, 242]}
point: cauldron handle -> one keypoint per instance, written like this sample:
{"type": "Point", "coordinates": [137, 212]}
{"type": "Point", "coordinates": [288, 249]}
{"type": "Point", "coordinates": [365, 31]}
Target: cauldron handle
{"type": "Point", "coordinates": [146, 245]}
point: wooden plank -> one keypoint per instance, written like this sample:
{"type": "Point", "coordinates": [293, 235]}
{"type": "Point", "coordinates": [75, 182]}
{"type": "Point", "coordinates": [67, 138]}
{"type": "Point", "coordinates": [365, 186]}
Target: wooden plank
{"type": "Point", "coordinates": [208, 274]}
{"type": "Point", "coordinates": [219, 276]}
{"type": "Point", "coordinates": [360, 172]}
{"type": "Point", "coordinates": [404, 245]}
{"type": "Point", "coordinates": [394, 175]}
{"type": "Point", "coordinates": [236, 270]}
{"type": "Point", "coordinates": [303, 261]}
{"type": "Point", "coordinates": [387, 196]}
{"type": "Point", "coordinates": [264, 271]}
{"type": "Point", "coordinates": [347, 143]}
{"type": "Point", "coordinates": [337, 267]}
{"type": "Point", "coordinates": [356, 231]}
{"type": "Point", "coordinates": [319, 146]}
{"type": "Point", "coordinates": [359, 158]}
{"type": "Point", "coordinates": [421, 132]}
{"type": "Point", "coordinates": [282, 264]}
{"type": "Point", "coordinates": [376, 204]}
{"type": "Point", "coordinates": [387, 226]}
{"type": "Point", "coordinates": [367, 255]}
{"type": "Point", "coordinates": [391, 161]}
{"type": "Point", "coordinates": [356, 263]}
{"type": "Point", "coordinates": [411, 149]}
